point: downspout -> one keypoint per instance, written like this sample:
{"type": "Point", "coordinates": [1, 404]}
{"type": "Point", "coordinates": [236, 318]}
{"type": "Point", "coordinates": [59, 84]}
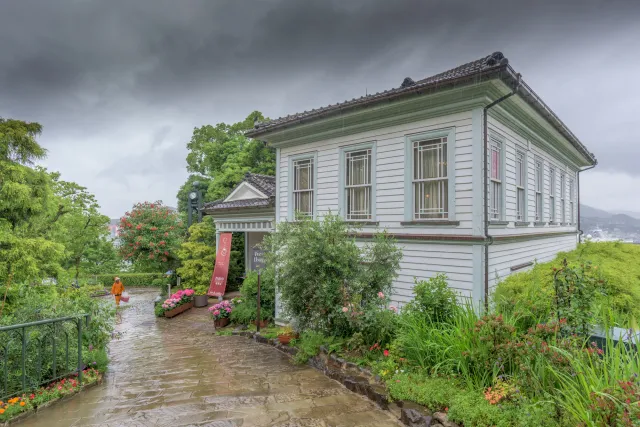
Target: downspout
{"type": "Point", "coordinates": [488, 239]}
{"type": "Point", "coordinates": [580, 232]}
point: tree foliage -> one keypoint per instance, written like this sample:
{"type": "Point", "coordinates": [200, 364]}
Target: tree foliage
{"type": "Point", "coordinates": [220, 155]}
{"type": "Point", "coordinates": [198, 254]}
{"type": "Point", "coordinates": [150, 236]}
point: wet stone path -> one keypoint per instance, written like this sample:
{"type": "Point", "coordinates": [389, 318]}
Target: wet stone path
{"type": "Point", "coordinates": [178, 373]}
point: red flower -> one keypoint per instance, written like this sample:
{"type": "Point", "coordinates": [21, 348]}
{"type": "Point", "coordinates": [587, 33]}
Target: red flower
{"type": "Point", "coordinates": [32, 396]}
{"type": "Point", "coordinates": [166, 253]}
{"type": "Point", "coordinates": [386, 353]}
{"type": "Point", "coordinates": [166, 234]}
{"type": "Point", "coordinates": [138, 227]}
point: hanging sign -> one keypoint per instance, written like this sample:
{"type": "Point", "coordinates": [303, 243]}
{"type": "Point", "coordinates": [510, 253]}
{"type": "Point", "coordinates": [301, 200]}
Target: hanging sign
{"type": "Point", "coordinates": [257, 258]}
{"type": "Point", "coordinates": [221, 269]}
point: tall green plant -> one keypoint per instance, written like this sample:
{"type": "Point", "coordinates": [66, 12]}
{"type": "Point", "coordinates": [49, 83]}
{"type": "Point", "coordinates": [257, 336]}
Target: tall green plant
{"type": "Point", "coordinates": [320, 269]}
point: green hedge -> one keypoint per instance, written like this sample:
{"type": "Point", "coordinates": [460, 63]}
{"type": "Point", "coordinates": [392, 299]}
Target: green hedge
{"type": "Point", "coordinates": [134, 279]}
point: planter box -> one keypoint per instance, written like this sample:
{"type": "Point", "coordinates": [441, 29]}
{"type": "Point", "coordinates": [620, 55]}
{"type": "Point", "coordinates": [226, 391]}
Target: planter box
{"type": "Point", "coordinates": [201, 301]}
{"type": "Point", "coordinates": [221, 323]}
{"type": "Point", "coordinates": [178, 310]}
{"type": "Point", "coordinates": [263, 323]}
{"type": "Point", "coordinates": [285, 339]}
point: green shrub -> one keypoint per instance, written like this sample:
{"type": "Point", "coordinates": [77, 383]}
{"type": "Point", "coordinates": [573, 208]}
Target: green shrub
{"type": "Point", "coordinates": [434, 299]}
{"type": "Point", "coordinates": [321, 269]}
{"type": "Point", "coordinates": [133, 279]}
{"type": "Point", "coordinates": [309, 345]}
{"type": "Point", "coordinates": [198, 254]}
{"type": "Point", "coordinates": [245, 312]}
{"type": "Point", "coordinates": [618, 263]}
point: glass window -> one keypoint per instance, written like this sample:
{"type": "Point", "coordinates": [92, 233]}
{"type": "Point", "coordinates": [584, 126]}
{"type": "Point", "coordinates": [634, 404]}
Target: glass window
{"type": "Point", "coordinates": [430, 179]}
{"type": "Point", "coordinates": [303, 191]}
{"type": "Point", "coordinates": [538, 183]}
{"type": "Point", "coordinates": [495, 177]}
{"type": "Point", "coordinates": [358, 184]}
{"type": "Point", "coordinates": [552, 194]}
{"type": "Point", "coordinates": [521, 174]}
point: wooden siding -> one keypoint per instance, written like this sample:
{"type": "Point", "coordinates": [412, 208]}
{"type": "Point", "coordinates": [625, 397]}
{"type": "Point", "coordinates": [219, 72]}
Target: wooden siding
{"type": "Point", "coordinates": [513, 142]}
{"type": "Point", "coordinates": [424, 260]}
{"type": "Point", "coordinates": [390, 165]}
{"type": "Point", "coordinates": [503, 256]}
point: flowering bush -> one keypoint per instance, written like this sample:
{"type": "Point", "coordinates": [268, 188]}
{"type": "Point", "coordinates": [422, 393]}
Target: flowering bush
{"type": "Point", "coordinates": [221, 310]}
{"type": "Point", "coordinates": [55, 390]}
{"type": "Point", "coordinates": [176, 300]}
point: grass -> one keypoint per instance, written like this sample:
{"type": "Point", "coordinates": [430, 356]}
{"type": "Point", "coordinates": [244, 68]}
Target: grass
{"type": "Point", "coordinates": [619, 264]}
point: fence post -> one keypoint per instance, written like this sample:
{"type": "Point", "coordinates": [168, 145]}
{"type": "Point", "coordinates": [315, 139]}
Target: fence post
{"type": "Point", "coordinates": [53, 343]}
{"type": "Point", "coordinates": [24, 356]}
{"type": "Point", "coordinates": [80, 319]}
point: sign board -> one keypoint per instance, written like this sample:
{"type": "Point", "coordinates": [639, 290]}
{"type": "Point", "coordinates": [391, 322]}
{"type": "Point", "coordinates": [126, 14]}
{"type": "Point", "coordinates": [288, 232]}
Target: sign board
{"type": "Point", "coordinates": [257, 259]}
{"type": "Point", "coordinates": [221, 269]}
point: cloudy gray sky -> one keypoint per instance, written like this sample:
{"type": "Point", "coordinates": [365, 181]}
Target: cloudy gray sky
{"type": "Point", "coordinates": [120, 85]}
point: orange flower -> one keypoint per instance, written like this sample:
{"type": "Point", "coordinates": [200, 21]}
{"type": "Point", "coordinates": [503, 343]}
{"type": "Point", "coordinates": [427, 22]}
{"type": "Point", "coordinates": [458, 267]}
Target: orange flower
{"type": "Point", "coordinates": [22, 403]}
{"type": "Point", "coordinates": [1, 411]}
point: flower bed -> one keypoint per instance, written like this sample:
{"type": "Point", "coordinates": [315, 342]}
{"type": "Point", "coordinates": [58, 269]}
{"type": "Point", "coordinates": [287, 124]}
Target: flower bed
{"type": "Point", "coordinates": [22, 406]}
{"type": "Point", "coordinates": [176, 303]}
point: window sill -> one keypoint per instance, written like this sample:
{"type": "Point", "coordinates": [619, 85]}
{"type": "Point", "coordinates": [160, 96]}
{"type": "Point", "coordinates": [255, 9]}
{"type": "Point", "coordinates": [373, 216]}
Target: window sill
{"type": "Point", "coordinates": [553, 224]}
{"type": "Point", "coordinates": [521, 223]}
{"type": "Point", "coordinates": [539, 224]}
{"type": "Point", "coordinates": [429, 222]}
{"type": "Point", "coordinates": [362, 223]}
{"type": "Point", "coordinates": [499, 223]}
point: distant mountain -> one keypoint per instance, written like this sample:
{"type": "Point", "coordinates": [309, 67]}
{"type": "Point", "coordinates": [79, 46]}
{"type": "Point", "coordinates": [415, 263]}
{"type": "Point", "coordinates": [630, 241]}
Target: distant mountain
{"type": "Point", "coordinates": [632, 214]}
{"type": "Point", "coordinates": [589, 212]}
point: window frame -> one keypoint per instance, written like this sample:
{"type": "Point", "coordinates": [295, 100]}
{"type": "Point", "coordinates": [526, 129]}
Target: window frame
{"type": "Point", "coordinates": [500, 141]}
{"type": "Point", "coordinates": [563, 196]}
{"type": "Point", "coordinates": [572, 189]}
{"type": "Point", "coordinates": [342, 174]}
{"type": "Point", "coordinates": [553, 190]}
{"type": "Point", "coordinates": [538, 188]}
{"type": "Point", "coordinates": [409, 205]}
{"type": "Point", "coordinates": [292, 160]}
{"type": "Point", "coordinates": [522, 187]}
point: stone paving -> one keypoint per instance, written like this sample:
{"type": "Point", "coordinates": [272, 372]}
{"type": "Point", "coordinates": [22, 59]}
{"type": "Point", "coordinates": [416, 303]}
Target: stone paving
{"type": "Point", "coordinates": [178, 373]}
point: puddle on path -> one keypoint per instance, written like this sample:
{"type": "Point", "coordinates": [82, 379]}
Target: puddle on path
{"type": "Point", "coordinates": [177, 373]}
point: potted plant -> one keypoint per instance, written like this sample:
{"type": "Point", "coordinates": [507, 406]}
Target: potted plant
{"type": "Point", "coordinates": [201, 299]}
{"type": "Point", "coordinates": [220, 313]}
{"type": "Point", "coordinates": [286, 335]}
{"type": "Point", "coordinates": [177, 303]}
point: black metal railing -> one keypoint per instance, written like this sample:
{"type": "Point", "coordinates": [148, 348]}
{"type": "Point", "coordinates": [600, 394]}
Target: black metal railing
{"type": "Point", "coordinates": [38, 353]}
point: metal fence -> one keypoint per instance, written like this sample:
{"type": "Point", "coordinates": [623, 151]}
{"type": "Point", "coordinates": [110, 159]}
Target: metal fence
{"type": "Point", "coordinates": [38, 353]}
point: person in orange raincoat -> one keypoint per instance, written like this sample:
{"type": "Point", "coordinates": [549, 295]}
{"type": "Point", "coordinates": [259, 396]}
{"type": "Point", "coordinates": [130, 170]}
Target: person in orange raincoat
{"type": "Point", "coordinates": [116, 290]}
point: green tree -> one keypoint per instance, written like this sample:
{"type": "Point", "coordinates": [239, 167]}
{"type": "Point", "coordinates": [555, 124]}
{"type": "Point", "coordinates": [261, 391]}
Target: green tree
{"type": "Point", "coordinates": [101, 257]}
{"type": "Point", "coordinates": [25, 195]}
{"type": "Point", "coordinates": [150, 235]}
{"type": "Point", "coordinates": [198, 254]}
{"type": "Point", "coordinates": [78, 223]}
{"type": "Point", "coordinates": [220, 155]}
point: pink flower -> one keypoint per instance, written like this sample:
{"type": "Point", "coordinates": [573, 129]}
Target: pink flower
{"type": "Point", "coordinates": [393, 308]}
{"type": "Point", "coordinates": [345, 309]}
{"type": "Point", "coordinates": [228, 310]}
{"type": "Point", "coordinates": [380, 295]}
{"type": "Point", "coordinates": [216, 313]}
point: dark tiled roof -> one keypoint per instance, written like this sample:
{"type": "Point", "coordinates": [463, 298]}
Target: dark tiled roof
{"type": "Point", "coordinates": [236, 204]}
{"type": "Point", "coordinates": [265, 183]}
{"type": "Point", "coordinates": [490, 62]}
{"type": "Point", "coordinates": [489, 65]}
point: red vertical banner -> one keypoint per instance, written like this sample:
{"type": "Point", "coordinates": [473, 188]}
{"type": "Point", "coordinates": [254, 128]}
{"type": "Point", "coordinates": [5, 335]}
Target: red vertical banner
{"type": "Point", "coordinates": [221, 269]}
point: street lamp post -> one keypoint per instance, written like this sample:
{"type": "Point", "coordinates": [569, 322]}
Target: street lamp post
{"type": "Point", "coordinates": [195, 203]}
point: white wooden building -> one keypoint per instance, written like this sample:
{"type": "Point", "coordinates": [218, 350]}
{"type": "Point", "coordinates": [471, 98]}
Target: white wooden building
{"type": "Point", "coordinates": [469, 187]}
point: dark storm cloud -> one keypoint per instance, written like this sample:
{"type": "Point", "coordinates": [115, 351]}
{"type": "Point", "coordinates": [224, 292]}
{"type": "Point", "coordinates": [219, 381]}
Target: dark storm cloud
{"type": "Point", "coordinates": [119, 76]}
